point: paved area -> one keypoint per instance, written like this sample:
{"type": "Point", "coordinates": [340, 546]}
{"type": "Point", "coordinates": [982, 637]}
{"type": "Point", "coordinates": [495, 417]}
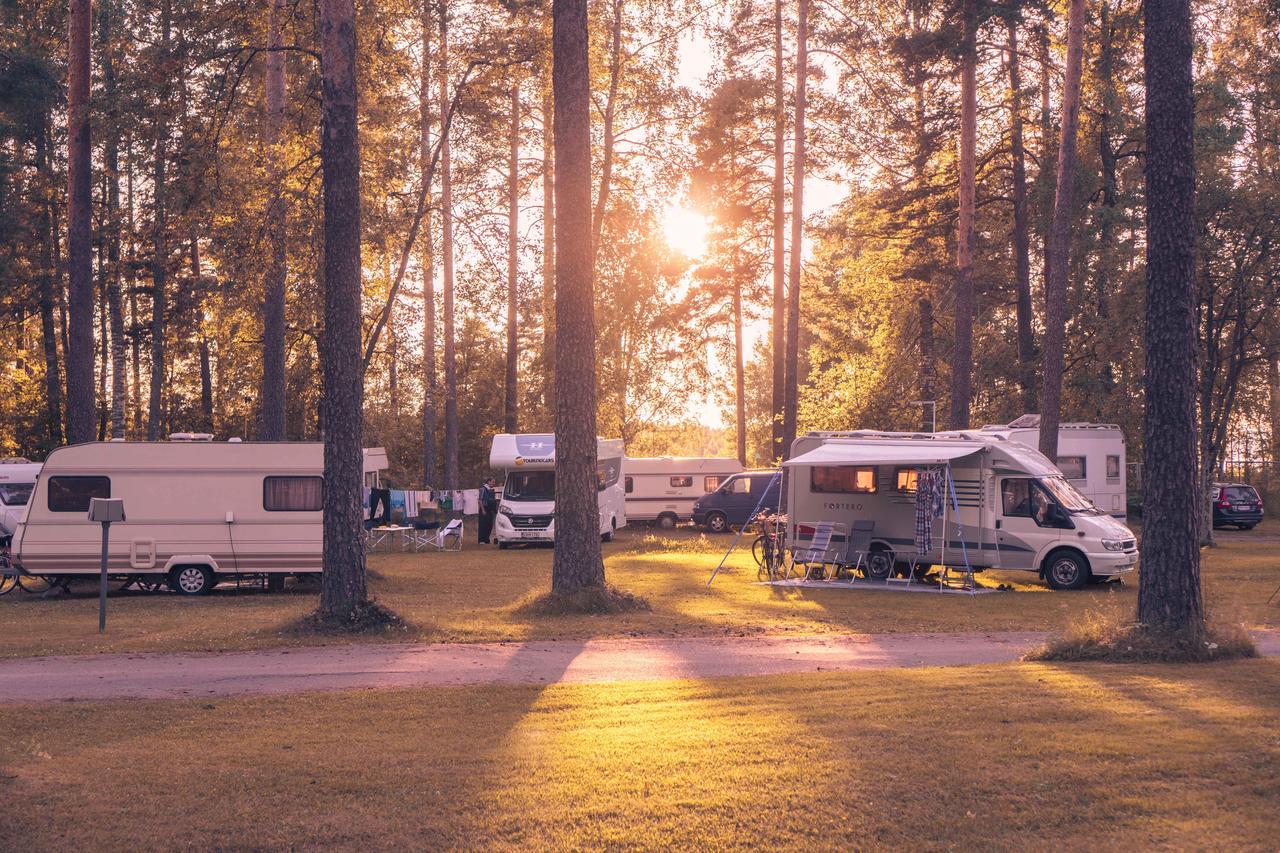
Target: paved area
{"type": "Point", "coordinates": [350, 667]}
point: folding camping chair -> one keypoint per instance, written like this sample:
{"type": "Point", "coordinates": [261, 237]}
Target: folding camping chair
{"type": "Point", "coordinates": [859, 545]}
{"type": "Point", "coordinates": [819, 552]}
{"type": "Point", "coordinates": [426, 528]}
{"type": "Point", "coordinates": [449, 537]}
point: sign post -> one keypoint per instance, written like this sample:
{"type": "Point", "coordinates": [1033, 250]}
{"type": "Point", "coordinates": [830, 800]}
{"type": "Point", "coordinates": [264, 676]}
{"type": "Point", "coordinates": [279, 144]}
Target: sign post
{"type": "Point", "coordinates": [104, 511]}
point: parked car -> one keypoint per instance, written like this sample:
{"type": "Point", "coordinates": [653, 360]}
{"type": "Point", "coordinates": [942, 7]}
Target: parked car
{"type": "Point", "coordinates": [733, 504]}
{"type": "Point", "coordinates": [1236, 503]}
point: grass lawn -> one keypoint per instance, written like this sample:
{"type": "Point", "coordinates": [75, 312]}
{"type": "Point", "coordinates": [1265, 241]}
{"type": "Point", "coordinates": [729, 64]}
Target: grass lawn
{"type": "Point", "coordinates": [1023, 756]}
{"type": "Point", "coordinates": [474, 596]}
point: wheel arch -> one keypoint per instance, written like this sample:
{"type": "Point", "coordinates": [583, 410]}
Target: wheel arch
{"type": "Point", "coordinates": [191, 560]}
{"type": "Point", "coordinates": [1058, 549]}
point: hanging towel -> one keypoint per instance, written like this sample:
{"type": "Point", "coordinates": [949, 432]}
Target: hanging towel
{"type": "Point", "coordinates": [471, 502]}
{"type": "Point", "coordinates": [410, 504]}
{"type": "Point", "coordinates": [924, 513]}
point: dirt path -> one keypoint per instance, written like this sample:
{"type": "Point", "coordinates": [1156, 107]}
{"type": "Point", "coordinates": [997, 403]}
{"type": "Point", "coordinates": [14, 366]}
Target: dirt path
{"type": "Point", "coordinates": [169, 676]}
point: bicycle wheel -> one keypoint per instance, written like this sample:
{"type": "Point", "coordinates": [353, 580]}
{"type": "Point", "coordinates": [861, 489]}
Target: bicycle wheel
{"type": "Point", "coordinates": [8, 583]}
{"type": "Point", "coordinates": [35, 584]}
{"type": "Point", "coordinates": [759, 550]}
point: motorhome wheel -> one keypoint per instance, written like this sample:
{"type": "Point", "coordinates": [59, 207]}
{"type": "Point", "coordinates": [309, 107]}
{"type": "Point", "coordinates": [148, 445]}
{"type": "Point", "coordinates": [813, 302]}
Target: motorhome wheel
{"type": "Point", "coordinates": [667, 521]}
{"type": "Point", "coordinates": [717, 523]}
{"type": "Point", "coordinates": [275, 583]}
{"type": "Point", "coordinates": [1066, 570]}
{"type": "Point", "coordinates": [613, 527]}
{"type": "Point", "coordinates": [879, 564]}
{"type": "Point", "coordinates": [191, 580]}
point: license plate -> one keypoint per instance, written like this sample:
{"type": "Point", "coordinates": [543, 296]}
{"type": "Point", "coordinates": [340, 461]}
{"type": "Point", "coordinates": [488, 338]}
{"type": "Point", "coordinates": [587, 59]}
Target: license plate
{"type": "Point", "coordinates": [1242, 507]}
{"type": "Point", "coordinates": [530, 534]}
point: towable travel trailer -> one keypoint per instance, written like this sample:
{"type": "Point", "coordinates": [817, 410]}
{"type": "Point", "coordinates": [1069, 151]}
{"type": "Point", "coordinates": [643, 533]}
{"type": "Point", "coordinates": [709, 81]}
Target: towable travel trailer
{"type": "Point", "coordinates": [17, 480]}
{"type": "Point", "coordinates": [1006, 505]}
{"type": "Point", "coordinates": [663, 489]}
{"type": "Point", "coordinates": [196, 511]}
{"type": "Point", "coordinates": [1091, 456]}
{"type": "Point", "coordinates": [527, 510]}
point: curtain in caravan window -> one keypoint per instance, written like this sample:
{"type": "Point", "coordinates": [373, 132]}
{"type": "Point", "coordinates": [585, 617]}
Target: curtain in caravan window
{"type": "Point", "coordinates": [293, 494]}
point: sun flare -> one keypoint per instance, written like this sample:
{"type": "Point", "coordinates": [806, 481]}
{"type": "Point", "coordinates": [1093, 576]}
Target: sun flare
{"type": "Point", "coordinates": [685, 231]}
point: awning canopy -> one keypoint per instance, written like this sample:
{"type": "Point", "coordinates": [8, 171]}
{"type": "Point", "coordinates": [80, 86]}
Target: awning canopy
{"type": "Point", "coordinates": [875, 453]}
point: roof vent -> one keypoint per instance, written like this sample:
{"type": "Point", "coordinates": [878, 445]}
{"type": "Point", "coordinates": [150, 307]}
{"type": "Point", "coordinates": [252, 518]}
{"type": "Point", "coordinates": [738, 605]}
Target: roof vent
{"type": "Point", "coordinates": [15, 460]}
{"type": "Point", "coordinates": [1026, 422]}
{"type": "Point", "coordinates": [233, 441]}
{"type": "Point", "coordinates": [191, 436]}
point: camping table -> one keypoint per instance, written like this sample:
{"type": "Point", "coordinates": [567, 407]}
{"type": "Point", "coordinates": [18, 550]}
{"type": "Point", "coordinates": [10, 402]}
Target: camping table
{"type": "Point", "coordinates": [388, 536]}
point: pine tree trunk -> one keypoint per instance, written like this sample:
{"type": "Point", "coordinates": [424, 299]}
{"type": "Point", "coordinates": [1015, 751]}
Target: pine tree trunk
{"type": "Point", "coordinates": [135, 315]}
{"type": "Point", "coordinates": [343, 591]}
{"type": "Point", "coordinates": [1059, 247]}
{"type": "Point", "coordinates": [1021, 238]}
{"type": "Point", "coordinates": [446, 241]}
{"type": "Point", "coordinates": [791, 396]}
{"type": "Point", "coordinates": [429, 390]}
{"type": "Point", "coordinates": [577, 564]}
{"type": "Point", "coordinates": [1169, 584]}
{"type": "Point", "coordinates": [206, 384]}
{"type": "Point", "coordinates": [511, 402]}
{"type": "Point", "coordinates": [271, 426]}
{"type": "Point", "coordinates": [159, 239]}
{"type": "Point", "coordinates": [778, 328]}
{"type": "Point", "coordinates": [548, 257]}
{"type": "Point", "coordinates": [1273, 400]}
{"type": "Point", "coordinates": [48, 294]}
{"type": "Point", "coordinates": [962, 352]}
{"type": "Point", "coordinates": [80, 350]}
{"type": "Point", "coordinates": [111, 162]}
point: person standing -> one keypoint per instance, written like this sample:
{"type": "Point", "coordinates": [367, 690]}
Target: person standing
{"type": "Point", "coordinates": [488, 509]}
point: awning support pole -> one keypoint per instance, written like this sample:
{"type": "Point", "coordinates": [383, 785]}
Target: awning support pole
{"type": "Point", "coordinates": [743, 528]}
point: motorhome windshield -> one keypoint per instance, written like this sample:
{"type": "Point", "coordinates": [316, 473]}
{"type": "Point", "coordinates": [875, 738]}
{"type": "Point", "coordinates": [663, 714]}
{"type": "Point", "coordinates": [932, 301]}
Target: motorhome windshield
{"type": "Point", "coordinates": [1069, 496]}
{"type": "Point", "coordinates": [530, 486]}
{"type": "Point", "coordinates": [16, 494]}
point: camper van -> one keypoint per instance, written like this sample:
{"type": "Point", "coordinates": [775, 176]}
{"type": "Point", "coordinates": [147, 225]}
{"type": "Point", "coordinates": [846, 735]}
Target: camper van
{"type": "Point", "coordinates": [526, 512]}
{"type": "Point", "coordinates": [17, 480]}
{"type": "Point", "coordinates": [663, 489]}
{"type": "Point", "coordinates": [1006, 505]}
{"type": "Point", "coordinates": [1091, 456]}
{"type": "Point", "coordinates": [737, 500]}
{"type": "Point", "coordinates": [196, 512]}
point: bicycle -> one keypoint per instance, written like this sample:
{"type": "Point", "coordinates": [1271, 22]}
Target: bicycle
{"type": "Point", "coordinates": [769, 548]}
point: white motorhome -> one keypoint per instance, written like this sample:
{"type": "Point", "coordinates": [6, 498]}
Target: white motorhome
{"type": "Point", "coordinates": [1091, 456]}
{"type": "Point", "coordinates": [196, 511]}
{"type": "Point", "coordinates": [1007, 506]}
{"type": "Point", "coordinates": [526, 512]}
{"type": "Point", "coordinates": [663, 489]}
{"type": "Point", "coordinates": [17, 480]}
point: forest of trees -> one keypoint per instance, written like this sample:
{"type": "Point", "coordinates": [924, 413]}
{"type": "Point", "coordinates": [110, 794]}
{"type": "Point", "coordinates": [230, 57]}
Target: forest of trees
{"type": "Point", "coordinates": [988, 254]}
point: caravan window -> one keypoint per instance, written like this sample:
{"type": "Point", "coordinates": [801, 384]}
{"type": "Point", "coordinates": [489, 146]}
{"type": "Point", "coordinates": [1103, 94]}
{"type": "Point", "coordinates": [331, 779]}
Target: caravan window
{"type": "Point", "coordinates": [1113, 467]}
{"type": "Point", "coordinates": [710, 484]}
{"type": "Point", "coordinates": [292, 494]}
{"type": "Point", "coordinates": [843, 479]}
{"type": "Point", "coordinates": [629, 485]}
{"type": "Point", "coordinates": [72, 494]}
{"type": "Point", "coordinates": [682, 482]}
{"type": "Point", "coordinates": [906, 479]}
{"type": "Point", "coordinates": [16, 494]}
{"type": "Point", "coordinates": [1072, 467]}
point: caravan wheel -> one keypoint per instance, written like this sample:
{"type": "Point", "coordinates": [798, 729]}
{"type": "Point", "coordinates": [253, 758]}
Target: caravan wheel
{"type": "Point", "coordinates": [191, 580]}
{"type": "Point", "coordinates": [879, 564]}
{"type": "Point", "coordinates": [667, 521]}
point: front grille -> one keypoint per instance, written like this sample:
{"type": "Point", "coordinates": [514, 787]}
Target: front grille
{"type": "Point", "coordinates": [530, 522]}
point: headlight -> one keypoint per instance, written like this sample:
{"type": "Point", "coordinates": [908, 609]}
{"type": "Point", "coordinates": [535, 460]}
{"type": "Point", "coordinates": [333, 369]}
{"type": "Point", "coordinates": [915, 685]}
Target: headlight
{"type": "Point", "coordinates": [1114, 544]}
{"type": "Point", "coordinates": [503, 510]}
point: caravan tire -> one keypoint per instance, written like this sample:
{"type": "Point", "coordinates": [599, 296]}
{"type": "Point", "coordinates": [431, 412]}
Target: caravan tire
{"type": "Point", "coordinates": [879, 564]}
{"type": "Point", "coordinates": [191, 580]}
{"type": "Point", "coordinates": [717, 522]}
{"type": "Point", "coordinates": [1066, 570]}
{"type": "Point", "coordinates": [667, 521]}
{"type": "Point", "coordinates": [275, 582]}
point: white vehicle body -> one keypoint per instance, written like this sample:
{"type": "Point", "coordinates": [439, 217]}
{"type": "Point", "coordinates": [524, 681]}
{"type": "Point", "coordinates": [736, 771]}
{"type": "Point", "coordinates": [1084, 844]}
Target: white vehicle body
{"type": "Point", "coordinates": [663, 489]}
{"type": "Point", "coordinates": [234, 508]}
{"type": "Point", "coordinates": [1091, 456]}
{"type": "Point", "coordinates": [526, 512]}
{"type": "Point", "coordinates": [17, 480]}
{"type": "Point", "coordinates": [1000, 486]}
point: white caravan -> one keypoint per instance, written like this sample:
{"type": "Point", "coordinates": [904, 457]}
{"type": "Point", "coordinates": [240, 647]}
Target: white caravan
{"type": "Point", "coordinates": [17, 480]}
{"type": "Point", "coordinates": [195, 511]}
{"type": "Point", "coordinates": [1091, 456]}
{"type": "Point", "coordinates": [527, 510]}
{"type": "Point", "coordinates": [1015, 509]}
{"type": "Point", "coordinates": [663, 489]}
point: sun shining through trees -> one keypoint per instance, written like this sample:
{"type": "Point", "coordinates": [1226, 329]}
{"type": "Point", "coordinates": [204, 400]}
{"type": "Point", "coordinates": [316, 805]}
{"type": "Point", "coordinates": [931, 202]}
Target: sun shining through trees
{"type": "Point", "coordinates": [685, 231]}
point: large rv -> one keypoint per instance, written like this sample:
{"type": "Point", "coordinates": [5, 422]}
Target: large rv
{"type": "Point", "coordinates": [526, 512]}
{"type": "Point", "coordinates": [663, 489]}
{"type": "Point", "coordinates": [1007, 506]}
{"type": "Point", "coordinates": [1091, 456]}
{"type": "Point", "coordinates": [17, 480]}
{"type": "Point", "coordinates": [196, 512]}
